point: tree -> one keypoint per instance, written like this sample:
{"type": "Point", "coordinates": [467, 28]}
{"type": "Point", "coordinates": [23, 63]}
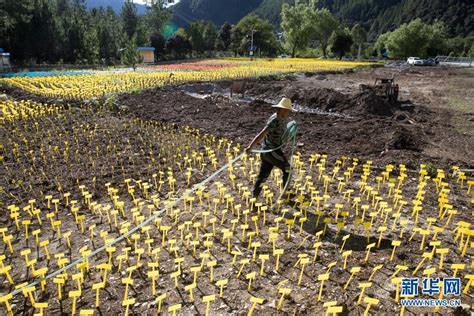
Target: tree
{"type": "Point", "coordinates": [296, 25]}
{"type": "Point", "coordinates": [202, 35]}
{"type": "Point", "coordinates": [224, 36]}
{"type": "Point", "coordinates": [263, 37]}
{"type": "Point", "coordinates": [410, 39]}
{"type": "Point", "coordinates": [359, 36]}
{"type": "Point", "coordinates": [236, 38]}
{"type": "Point", "coordinates": [130, 55]}
{"type": "Point", "coordinates": [438, 39]}
{"type": "Point", "coordinates": [323, 24]}
{"type": "Point", "coordinates": [178, 45]}
{"type": "Point", "coordinates": [109, 33]}
{"type": "Point", "coordinates": [158, 41]}
{"type": "Point", "coordinates": [157, 16]}
{"type": "Point", "coordinates": [129, 18]}
{"type": "Point", "coordinates": [381, 43]}
{"type": "Point", "coordinates": [341, 42]}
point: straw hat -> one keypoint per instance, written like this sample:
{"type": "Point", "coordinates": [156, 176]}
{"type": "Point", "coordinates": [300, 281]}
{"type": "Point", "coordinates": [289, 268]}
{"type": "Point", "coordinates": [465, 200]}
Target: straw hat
{"type": "Point", "coordinates": [285, 103]}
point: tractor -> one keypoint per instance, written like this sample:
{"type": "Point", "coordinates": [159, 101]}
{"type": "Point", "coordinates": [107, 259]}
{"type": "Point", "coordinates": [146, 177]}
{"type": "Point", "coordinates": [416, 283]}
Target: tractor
{"type": "Point", "coordinates": [383, 87]}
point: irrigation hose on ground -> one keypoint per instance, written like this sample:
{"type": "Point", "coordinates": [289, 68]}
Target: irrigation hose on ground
{"type": "Point", "coordinates": [289, 134]}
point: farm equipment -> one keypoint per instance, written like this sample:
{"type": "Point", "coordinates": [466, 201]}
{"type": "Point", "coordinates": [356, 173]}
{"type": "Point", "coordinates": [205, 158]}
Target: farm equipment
{"type": "Point", "coordinates": [383, 87]}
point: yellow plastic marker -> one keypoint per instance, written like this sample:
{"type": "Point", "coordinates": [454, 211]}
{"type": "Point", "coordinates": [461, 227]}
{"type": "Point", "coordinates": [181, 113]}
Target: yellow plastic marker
{"type": "Point", "coordinates": [344, 239]}
{"type": "Point", "coordinates": [303, 262]}
{"type": "Point", "coordinates": [5, 300]}
{"type": "Point", "coordinates": [97, 287]}
{"type": "Point", "coordinates": [330, 266]}
{"type": "Point", "coordinates": [397, 282]}
{"type": "Point", "coordinates": [243, 262]}
{"type": "Point", "coordinates": [79, 278]}
{"type": "Point", "coordinates": [153, 275]}
{"type": "Point", "coordinates": [255, 246]}
{"type": "Point", "coordinates": [175, 276]}
{"type": "Point", "coordinates": [363, 286]}
{"type": "Point", "coordinates": [470, 277]}
{"type": "Point", "coordinates": [469, 233]}
{"type": "Point", "coordinates": [174, 308]}
{"type": "Point", "coordinates": [354, 271]}
{"type": "Point", "coordinates": [277, 253]}
{"type": "Point", "coordinates": [250, 276]}
{"type": "Point", "coordinates": [346, 254]}
{"type": "Point", "coordinates": [369, 246]}
{"type": "Point", "coordinates": [369, 301]}
{"type": "Point", "coordinates": [208, 299]}
{"type": "Point", "coordinates": [254, 301]}
{"type": "Point", "coordinates": [334, 310]}
{"type": "Point", "coordinates": [195, 271]}
{"type": "Point", "coordinates": [159, 300]}
{"type": "Point", "coordinates": [374, 270]}
{"type": "Point", "coordinates": [41, 307]}
{"type": "Point", "coordinates": [381, 230]}
{"type": "Point", "coordinates": [221, 284]}
{"type": "Point", "coordinates": [456, 267]}
{"type": "Point", "coordinates": [28, 292]}
{"type": "Point", "coordinates": [423, 233]}
{"type": "Point", "coordinates": [41, 273]}
{"type": "Point", "coordinates": [425, 255]}
{"type": "Point", "coordinates": [190, 289]}
{"type": "Point", "coordinates": [5, 270]}
{"type": "Point", "coordinates": [228, 235]}
{"type": "Point", "coordinates": [8, 241]}
{"type": "Point", "coordinates": [86, 312]}
{"type": "Point", "coordinates": [398, 268]}
{"type": "Point", "coordinates": [211, 265]}
{"type": "Point", "coordinates": [127, 281]}
{"type": "Point", "coordinates": [322, 278]}
{"type": "Point", "coordinates": [45, 244]}
{"type": "Point", "coordinates": [316, 246]}
{"type": "Point", "coordinates": [395, 244]}
{"type": "Point", "coordinates": [60, 282]}
{"type": "Point", "coordinates": [283, 292]}
{"type": "Point", "coordinates": [429, 272]}
{"type": "Point", "coordinates": [441, 252]}
{"type": "Point", "coordinates": [127, 304]}
{"type": "Point", "coordinates": [74, 295]}
{"type": "Point", "coordinates": [263, 258]}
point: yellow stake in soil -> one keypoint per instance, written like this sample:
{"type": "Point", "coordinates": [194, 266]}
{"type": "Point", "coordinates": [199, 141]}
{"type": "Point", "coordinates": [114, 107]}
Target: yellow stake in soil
{"type": "Point", "coordinates": [254, 301]}
{"type": "Point", "coordinates": [322, 278]}
{"type": "Point", "coordinates": [208, 300]}
{"type": "Point", "coordinates": [354, 271]}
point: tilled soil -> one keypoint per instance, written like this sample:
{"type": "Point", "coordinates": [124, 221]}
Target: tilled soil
{"type": "Point", "coordinates": [361, 125]}
{"type": "Point", "coordinates": [403, 137]}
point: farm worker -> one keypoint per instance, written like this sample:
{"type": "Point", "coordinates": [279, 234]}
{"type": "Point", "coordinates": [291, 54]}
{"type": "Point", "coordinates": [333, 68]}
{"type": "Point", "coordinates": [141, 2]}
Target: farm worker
{"type": "Point", "coordinates": [272, 135]}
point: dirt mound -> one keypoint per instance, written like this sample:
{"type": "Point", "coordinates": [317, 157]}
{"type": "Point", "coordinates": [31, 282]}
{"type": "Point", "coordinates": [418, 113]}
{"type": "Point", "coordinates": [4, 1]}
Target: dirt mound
{"type": "Point", "coordinates": [403, 139]}
{"type": "Point", "coordinates": [368, 102]}
{"type": "Point", "coordinates": [364, 103]}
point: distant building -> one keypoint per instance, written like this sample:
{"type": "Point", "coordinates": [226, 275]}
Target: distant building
{"type": "Point", "coordinates": [4, 60]}
{"type": "Point", "coordinates": [148, 54]}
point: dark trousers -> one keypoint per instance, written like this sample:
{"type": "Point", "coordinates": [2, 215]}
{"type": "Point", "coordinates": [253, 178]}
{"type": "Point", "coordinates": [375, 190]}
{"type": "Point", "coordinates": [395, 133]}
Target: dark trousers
{"type": "Point", "coordinates": [270, 160]}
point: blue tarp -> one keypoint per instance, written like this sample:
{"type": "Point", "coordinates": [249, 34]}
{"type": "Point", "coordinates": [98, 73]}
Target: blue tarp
{"type": "Point", "coordinates": [44, 73]}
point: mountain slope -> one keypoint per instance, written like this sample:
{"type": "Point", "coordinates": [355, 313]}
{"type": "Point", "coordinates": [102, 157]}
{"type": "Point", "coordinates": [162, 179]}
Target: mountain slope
{"type": "Point", "coordinates": [218, 11]}
{"type": "Point", "coordinates": [378, 16]}
{"type": "Point", "coordinates": [115, 4]}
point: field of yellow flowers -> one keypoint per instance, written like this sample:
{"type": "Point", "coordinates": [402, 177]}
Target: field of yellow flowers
{"type": "Point", "coordinates": [87, 86]}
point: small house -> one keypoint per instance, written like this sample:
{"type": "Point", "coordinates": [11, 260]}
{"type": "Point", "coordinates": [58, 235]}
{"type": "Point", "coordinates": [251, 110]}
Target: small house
{"type": "Point", "coordinates": [4, 60]}
{"type": "Point", "coordinates": [147, 53]}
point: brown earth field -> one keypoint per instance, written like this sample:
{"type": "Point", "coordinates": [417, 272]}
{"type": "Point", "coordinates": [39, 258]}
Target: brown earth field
{"type": "Point", "coordinates": [433, 122]}
{"type": "Point", "coordinates": [110, 162]}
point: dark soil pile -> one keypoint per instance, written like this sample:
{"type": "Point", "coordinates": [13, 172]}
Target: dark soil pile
{"type": "Point", "coordinates": [368, 102]}
{"type": "Point", "coordinates": [364, 103]}
{"type": "Point", "coordinates": [381, 138]}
